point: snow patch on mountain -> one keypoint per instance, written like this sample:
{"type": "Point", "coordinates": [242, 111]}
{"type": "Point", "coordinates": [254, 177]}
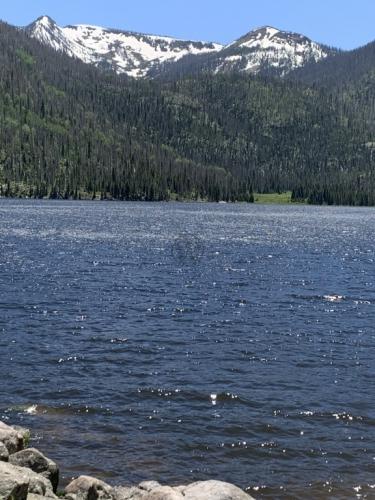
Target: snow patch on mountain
{"type": "Point", "coordinates": [138, 55]}
{"type": "Point", "coordinates": [123, 51]}
{"type": "Point", "coordinates": [270, 48]}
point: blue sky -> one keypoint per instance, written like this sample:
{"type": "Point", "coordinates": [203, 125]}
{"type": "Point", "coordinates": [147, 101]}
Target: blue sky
{"type": "Point", "coordinates": [341, 23]}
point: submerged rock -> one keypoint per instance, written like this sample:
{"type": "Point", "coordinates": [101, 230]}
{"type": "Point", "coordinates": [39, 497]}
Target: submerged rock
{"type": "Point", "coordinates": [35, 460]}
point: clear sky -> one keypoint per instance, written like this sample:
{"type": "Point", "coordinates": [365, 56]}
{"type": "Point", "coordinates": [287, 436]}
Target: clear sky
{"type": "Point", "coordinates": [341, 23]}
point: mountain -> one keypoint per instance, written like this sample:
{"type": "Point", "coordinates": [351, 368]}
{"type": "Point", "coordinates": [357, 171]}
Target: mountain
{"type": "Point", "coordinates": [266, 51]}
{"type": "Point", "coordinates": [270, 49]}
{"type": "Point", "coordinates": [351, 74]}
{"type": "Point", "coordinates": [343, 69]}
{"type": "Point", "coordinates": [70, 130]}
{"type": "Point", "coordinates": [263, 50]}
{"type": "Point", "coordinates": [134, 54]}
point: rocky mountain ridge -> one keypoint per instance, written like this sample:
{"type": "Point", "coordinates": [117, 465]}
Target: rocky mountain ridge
{"type": "Point", "coordinates": [139, 55]}
{"type": "Point", "coordinates": [125, 52]}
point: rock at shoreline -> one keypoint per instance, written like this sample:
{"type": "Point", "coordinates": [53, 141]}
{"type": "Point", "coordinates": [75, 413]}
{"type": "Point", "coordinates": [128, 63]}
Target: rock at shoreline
{"type": "Point", "coordinates": [4, 453]}
{"type": "Point", "coordinates": [214, 490]}
{"type": "Point", "coordinates": [164, 493]}
{"type": "Point", "coordinates": [89, 488]}
{"type": "Point", "coordinates": [12, 439]}
{"type": "Point", "coordinates": [22, 479]}
{"type": "Point", "coordinates": [13, 483]}
{"type": "Point", "coordinates": [32, 496]}
{"type": "Point", "coordinates": [25, 433]}
{"type": "Point", "coordinates": [133, 493]}
{"type": "Point", "coordinates": [149, 485]}
{"type": "Point", "coordinates": [35, 460]}
{"type": "Point", "coordinates": [26, 474]}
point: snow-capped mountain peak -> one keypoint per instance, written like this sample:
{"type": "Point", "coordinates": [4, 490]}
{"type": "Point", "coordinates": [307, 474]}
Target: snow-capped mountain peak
{"type": "Point", "coordinates": [135, 54]}
{"type": "Point", "coordinates": [43, 21]}
{"type": "Point", "coordinates": [255, 37]}
{"type": "Point", "coordinates": [123, 51]}
{"type": "Point", "coordinates": [48, 32]}
{"type": "Point", "coordinates": [272, 48]}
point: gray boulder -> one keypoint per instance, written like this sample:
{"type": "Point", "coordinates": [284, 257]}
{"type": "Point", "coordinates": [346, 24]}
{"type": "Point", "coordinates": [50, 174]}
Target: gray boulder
{"type": "Point", "coordinates": [32, 496]}
{"type": "Point", "coordinates": [214, 490]}
{"type": "Point", "coordinates": [11, 438]}
{"type": "Point", "coordinates": [13, 483]}
{"type": "Point", "coordinates": [140, 492]}
{"type": "Point", "coordinates": [12, 474]}
{"type": "Point", "coordinates": [89, 488]}
{"type": "Point", "coordinates": [149, 485]}
{"type": "Point", "coordinates": [33, 459]}
{"type": "Point", "coordinates": [204, 490]}
{"type": "Point", "coordinates": [164, 493]}
{"type": "Point", "coordinates": [25, 433]}
{"type": "Point", "coordinates": [134, 493]}
{"type": "Point", "coordinates": [4, 453]}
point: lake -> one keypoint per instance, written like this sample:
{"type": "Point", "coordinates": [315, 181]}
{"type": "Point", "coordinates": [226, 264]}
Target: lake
{"type": "Point", "coordinates": [180, 342]}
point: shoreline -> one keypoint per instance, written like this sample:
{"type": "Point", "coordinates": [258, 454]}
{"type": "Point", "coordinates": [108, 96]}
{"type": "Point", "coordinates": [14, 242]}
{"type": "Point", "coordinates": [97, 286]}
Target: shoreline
{"type": "Point", "coordinates": [266, 199]}
{"type": "Point", "coordinates": [259, 199]}
{"type": "Point", "coordinates": [27, 474]}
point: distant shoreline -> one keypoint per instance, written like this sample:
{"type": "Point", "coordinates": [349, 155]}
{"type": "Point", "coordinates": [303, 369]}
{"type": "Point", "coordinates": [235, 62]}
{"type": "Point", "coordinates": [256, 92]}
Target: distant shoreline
{"type": "Point", "coordinates": [259, 199]}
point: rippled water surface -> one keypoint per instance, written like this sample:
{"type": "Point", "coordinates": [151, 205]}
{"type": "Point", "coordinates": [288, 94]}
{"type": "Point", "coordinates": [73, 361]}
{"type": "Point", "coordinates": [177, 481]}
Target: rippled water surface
{"type": "Point", "coordinates": [182, 342]}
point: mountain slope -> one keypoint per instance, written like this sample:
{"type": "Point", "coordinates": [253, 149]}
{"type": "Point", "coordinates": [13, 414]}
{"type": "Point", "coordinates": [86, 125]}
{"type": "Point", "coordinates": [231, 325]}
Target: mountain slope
{"type": "Point", "coordinates": [263, 50]}
{"type": "Point", "coordinates": [270, 48]}
{"type": "Point", "coordinates": [125, 52]}
{"type": "Point", "coordinates": [70, 130]}
{"type": "Point", "coordinates": [343, 69]}
{"type": "Point", "coordinates": [350, 74]}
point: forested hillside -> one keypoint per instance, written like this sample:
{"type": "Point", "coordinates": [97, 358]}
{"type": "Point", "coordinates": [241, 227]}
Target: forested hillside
{"type": "Point", "coordinates": [338, 70]}
{"type": "Point", "coordinates": [68, 130]}
{"type": "Point", "coordinates": [282, 136]}
{"type": "Point", "coordinates": [350, 76]}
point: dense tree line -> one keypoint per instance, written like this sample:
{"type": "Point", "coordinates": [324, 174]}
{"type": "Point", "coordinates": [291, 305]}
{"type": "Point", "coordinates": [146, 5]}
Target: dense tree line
{"type": "Point", "coordinates": [339, 70]}
{"type": "Point", "coordinates": [68, 130]}
{"type": "Point", "coordinates": [350, 78]}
